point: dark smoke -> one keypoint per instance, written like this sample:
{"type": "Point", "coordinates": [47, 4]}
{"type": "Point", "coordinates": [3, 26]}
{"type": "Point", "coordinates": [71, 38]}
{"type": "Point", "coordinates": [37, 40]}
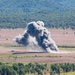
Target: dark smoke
{"type": "Point", "coordinates": [36, 34]}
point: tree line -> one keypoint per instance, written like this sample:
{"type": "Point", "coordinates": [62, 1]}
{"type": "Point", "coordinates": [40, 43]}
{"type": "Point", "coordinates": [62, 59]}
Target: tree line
{"type": "Point", "coordinates": [62, 68]}
{"type": "Point", "coordinates": [52, 20]}
{"type": "Point", "coordinates": [35, 68]}
{"type": "Point", "coordinates": [21, 69]}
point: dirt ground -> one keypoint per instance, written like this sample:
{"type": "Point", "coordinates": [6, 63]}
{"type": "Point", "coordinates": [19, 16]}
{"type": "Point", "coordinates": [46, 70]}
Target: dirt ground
{"type": "Point", "coordinates": [60, 36]}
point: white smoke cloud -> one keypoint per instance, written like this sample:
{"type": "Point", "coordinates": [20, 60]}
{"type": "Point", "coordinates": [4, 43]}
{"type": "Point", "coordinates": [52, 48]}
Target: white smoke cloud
{"type": "Point", "coordinates": [37, 36]}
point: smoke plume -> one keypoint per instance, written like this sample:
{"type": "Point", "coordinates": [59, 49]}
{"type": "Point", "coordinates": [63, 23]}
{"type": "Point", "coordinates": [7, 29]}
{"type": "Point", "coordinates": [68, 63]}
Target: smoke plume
{"type": "Point", "coordinates": [37, 36]}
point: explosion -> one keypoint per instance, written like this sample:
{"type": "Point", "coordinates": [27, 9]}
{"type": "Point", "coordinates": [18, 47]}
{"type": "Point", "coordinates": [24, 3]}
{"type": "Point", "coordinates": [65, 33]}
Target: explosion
{"type": "Point", "coordinates": [38, 36]}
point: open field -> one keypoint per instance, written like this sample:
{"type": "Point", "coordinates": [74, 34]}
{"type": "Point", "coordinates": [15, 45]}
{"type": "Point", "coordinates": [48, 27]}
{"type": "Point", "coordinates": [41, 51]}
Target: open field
{"type": "Point", "coordinates": [11, 52]}
{"type": "Point", "coordinates": [38, 57]}
{"type": "Point", "coordinates": [60, 36]}
{"type": "Point", "coordinates": [69, 73]}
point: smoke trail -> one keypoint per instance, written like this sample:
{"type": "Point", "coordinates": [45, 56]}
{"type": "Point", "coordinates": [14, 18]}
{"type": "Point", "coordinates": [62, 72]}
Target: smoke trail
{"type": "Point", "coordinates": [36, 35]}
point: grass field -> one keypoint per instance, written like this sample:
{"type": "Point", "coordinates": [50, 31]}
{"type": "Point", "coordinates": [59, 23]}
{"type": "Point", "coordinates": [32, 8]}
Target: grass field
{"type": "Point", "coordinates": [69, 73]}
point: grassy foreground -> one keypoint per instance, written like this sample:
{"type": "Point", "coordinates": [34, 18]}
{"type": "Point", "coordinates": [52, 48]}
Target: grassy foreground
{"type": "Point", "coordinates": [69, 73]}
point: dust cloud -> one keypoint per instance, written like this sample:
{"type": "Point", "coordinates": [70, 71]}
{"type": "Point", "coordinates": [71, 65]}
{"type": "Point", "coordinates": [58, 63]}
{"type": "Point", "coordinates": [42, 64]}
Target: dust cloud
{"type": "Point", "coordinates": [37, 38]}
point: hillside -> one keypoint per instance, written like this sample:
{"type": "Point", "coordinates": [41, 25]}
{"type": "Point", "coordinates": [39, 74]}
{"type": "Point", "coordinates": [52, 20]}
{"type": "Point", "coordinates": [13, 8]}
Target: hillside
{"type": "Point", "coordinates": [55, 13]}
